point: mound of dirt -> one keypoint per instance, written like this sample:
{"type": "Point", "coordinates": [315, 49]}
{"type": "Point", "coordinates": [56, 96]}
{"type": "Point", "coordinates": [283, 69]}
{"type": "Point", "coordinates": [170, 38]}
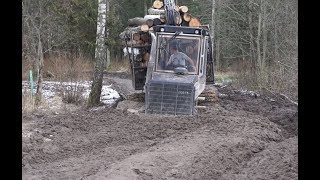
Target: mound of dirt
{"type": "Point", "coordinates": [239, 137]}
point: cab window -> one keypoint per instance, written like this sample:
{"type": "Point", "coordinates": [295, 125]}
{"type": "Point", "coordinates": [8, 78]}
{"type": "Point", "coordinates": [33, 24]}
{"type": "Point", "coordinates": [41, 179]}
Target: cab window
{"type": "Point", "coordinates": [183, 48]}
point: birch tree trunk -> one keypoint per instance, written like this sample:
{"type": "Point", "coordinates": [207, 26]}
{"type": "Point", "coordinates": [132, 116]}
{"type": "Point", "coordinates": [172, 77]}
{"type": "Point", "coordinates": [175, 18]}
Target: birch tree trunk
{"type": "Point", "coordinates": [258, 40]}
{"type": "Point", "coordinates": [213, 20]}
{"type": "Point", "coordinates": [100, 55]}
{"type": "Point", "coordinates": [263, 68]}
{"type": "Point", "coordinates": [39, 73]}
{"type": "Point", "coordinates": [38, 97]}
{"type": "Point", "coordinates": [276, 54]}
{"type": "Point", "coordinates": [264, 36]}
{"type": "Point", "coordinates": [107, 29]}
{"type": "Point", "coordinates": [252, 54]}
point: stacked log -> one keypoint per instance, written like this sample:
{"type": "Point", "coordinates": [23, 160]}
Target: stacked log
{"type": "Point", "coordinates": [183, 16]}
{"type": "Point", "coordinates": [137, 35]}
{"type": "Point", "coordinates": [156, 16]}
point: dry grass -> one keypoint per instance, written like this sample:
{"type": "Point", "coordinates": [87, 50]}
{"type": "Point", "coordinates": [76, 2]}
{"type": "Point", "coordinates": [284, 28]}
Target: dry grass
{"type": "Point", "coordinates": [73, 70]}
{"type": "Point", "coordinates": [224, 77]}
{"type": "Point", "coordinates": [275, 79]}
{"type": "Point", "coordinates": [64, 68]}
{"type": "Point", "coordinates": [118, 65]}
{"type": "Point", "coordinates": [27, 104]}
{"type": "Point", "coordinates": [26, 67]}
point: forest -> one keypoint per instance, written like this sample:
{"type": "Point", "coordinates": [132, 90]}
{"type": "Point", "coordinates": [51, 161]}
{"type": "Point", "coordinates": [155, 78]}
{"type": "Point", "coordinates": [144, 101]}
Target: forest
{"type": "Point", "coordinates": [84, 118]}
{"type": "Point", "coordinates": [254, 40]}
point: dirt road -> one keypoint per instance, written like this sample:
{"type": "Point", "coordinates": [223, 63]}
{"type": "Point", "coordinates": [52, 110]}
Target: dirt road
{"type": "Point", "coordinates": [240, 137]}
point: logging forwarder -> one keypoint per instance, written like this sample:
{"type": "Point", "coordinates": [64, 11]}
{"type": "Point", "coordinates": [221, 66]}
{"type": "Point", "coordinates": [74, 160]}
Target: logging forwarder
{"type": "Point", "coordinates": [172, 81]}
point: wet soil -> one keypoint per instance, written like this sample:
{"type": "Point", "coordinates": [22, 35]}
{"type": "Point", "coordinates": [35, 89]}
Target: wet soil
{"type": "Point", "coordinates": [239, 137]}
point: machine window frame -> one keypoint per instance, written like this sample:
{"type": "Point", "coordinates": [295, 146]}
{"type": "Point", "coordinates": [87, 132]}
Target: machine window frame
{"type": "Point", "coordinates": [181, 36]}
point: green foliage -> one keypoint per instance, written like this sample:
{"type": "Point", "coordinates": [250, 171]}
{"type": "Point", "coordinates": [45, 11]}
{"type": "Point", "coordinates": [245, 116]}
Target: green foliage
{"type": "Point", "coordinates": [80, 18]}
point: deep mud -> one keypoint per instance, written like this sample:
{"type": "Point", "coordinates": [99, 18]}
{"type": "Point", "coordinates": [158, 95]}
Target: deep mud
{"type": "Point", "coordinates": [239, 137]}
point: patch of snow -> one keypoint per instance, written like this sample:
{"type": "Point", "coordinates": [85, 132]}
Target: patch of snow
{"type": "Point", "coordinates": [46, 139]}
{"type": "Point", "coordinates": [218, 84]}
{"type": "Point", "coordinates": [97, 108]}
{"type": "Point", "coordinates": [134, 111]}
{"type": "Point", "coordinates": [246, 92]}
{"type": "Point", "coordinates": [221, 95]}
{"type": "Point", "coordinates": [51, 89]}
{"type": "Point", "coordinates": [26, 134]}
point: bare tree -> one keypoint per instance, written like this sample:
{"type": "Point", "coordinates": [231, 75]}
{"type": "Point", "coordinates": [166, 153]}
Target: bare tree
{"type": "Point", "coordinates": [100, 55]}
{"type": "Point", "coordinates": [213, 23]}
{"type": "Point", "coordinates": [38, 24]}
{"type": "Point", "coordinates": [107, 29]}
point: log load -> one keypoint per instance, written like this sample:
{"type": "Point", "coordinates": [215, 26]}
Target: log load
{"type": "Point", "coordinates": [137, 36]}
{"type": "Point", "coordinates": [137, 21]}
{"type": "Point", "coordinates": [129, 31]}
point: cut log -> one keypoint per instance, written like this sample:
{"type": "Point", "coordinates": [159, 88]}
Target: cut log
{"type": "Point", "coordinates": [146, 57]}
{"type": "Point", "coordinates": [149, 22]}
{"type": "Point", "coordinates": [183, 9]}
{"type": "Point", "coordinates": [157, 4]}
{"type": "Point", "coordinates": [137, 21]}
{"type": "Point", "coordinates": [136, 36]}
{"type": "Point", "coordinates": [156, 22]}
{"type": "Point", "coordinates": [145, 37]}
{"type": "Point", "coordinates": [139, 42]}
{"type": "Point", "coordinates": [194, 22]}
{"type": "Point", "coordinates": [186, 17]}
{"type": "Point", "coordinates": [131, 30]}
{"type": "Point", "coordinates": [144, 28]}
{"type": "Point", "coordinates": [151, 16]}
{"type": "Point", "coordinates": [153, 11]}
{"type": "Point", "coordinates": [131, 43]}
{"type": "Point", "coordinates": [134, 43]}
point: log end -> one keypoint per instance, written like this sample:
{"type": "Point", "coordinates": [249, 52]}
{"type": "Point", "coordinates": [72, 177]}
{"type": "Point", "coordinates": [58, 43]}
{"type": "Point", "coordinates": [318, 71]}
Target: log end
{"type": "Point", "coordinates": [184, 9]}
{"type": "Point", "coordinates": [194, 22]}
{"type": "Point", "coordinates": [144, 28]}
{"type": "Point", "coordinates": [157, 4]}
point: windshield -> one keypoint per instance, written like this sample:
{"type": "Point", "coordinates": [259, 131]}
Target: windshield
{"type": "Point", "coordinates": [177, 51]}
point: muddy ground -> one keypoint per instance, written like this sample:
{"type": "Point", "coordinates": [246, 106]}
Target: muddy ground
{"type": "Point", "coordinates": [240, 137]}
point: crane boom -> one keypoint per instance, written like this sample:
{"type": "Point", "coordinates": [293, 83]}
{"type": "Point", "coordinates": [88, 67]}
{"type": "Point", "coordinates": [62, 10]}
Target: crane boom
{"type": "Point", "coordinates": [169, 7]}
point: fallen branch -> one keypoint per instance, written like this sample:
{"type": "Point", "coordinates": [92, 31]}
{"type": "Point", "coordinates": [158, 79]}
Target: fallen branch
{"type": "Point", "coordinates": [282, 95]}
{"type": "Point", "coordinates": [286, 97]}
